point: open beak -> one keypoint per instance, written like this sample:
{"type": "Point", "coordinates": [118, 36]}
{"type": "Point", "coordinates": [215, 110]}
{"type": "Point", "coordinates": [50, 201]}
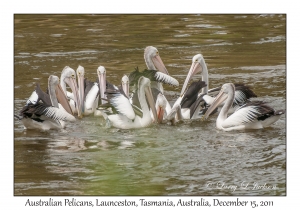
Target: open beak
{"type": "Point", "coordinates": [220, 98]}
{"type": "Point", "coordinates": [102, 86]}
{"type": "Point", "coordinates": [72, 84]}
{"type": "Point", "coordinates": [150, 100]}
{"type": "Point", "coordinates": [195, 68]}
{"type": "Point", "coordinates": [159, 64]}
{"type": "Point", "coordinates": [62, 99]}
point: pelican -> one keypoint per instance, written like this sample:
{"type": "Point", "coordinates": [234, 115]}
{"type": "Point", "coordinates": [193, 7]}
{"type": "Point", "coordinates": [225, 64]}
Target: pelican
{"type": "Point", "coordinates": [242, 94]}
{"type": "Point", "coordinates": [125, 116]}
{"type": "Point", "coordinates": [49, 114]}
{"type": "Point", "coordinates": [68, 77]}
{"type": "Point", "coordinates": [252, 115]}
{"type": "Point", "coordinates": [154, 62]}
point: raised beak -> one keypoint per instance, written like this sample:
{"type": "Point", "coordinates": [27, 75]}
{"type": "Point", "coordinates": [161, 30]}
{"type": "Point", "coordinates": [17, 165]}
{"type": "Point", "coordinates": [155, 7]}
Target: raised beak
{"type": "Point", "coordinates": [160, 114]}
{"type": "Point", "coordinates": [159, 64]}
{"type": "Point", "coordinates": [220, 98]}
{"type": "Point", "coordinates": [102, 86]}
{"type": "Point", "coordinates": [62, 99]}
{"type": "Point", "coordinates": [72, 84]}
{"type": "Point", "coordinates": [150, 100]}
{"type": "Point", "coordinates": [195, 68]}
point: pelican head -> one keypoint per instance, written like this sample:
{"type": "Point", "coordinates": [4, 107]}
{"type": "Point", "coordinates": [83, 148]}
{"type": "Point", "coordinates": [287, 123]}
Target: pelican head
{"type": "Point", "coordinates": [68, 76]}
{"type": "Point", "coordinates": [101, 71]}
{"type": "Point", "coordinates": [125, 85]}
{"type": "Point", "coordinates": [198, 66]}
{"type": "Point", "coordinates": [161, 104]}
{"type": "Point", "coordinates": [226, 90]}
{"type": "Point", "coordinates": [145, 83]}
{"type": "Point", "coordinates": [153, 60]}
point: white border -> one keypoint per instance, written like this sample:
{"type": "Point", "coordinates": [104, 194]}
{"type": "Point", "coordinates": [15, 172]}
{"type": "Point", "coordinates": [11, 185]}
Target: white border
{"type": "Point", "coordinates": [9, 8]}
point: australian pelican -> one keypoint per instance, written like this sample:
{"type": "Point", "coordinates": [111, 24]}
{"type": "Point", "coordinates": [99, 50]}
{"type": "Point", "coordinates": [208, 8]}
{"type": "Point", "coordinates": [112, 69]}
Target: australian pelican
{"type": "Point", "coordinates": [48, 114]}
{"type": "Point", "coordinates": [252, 115]}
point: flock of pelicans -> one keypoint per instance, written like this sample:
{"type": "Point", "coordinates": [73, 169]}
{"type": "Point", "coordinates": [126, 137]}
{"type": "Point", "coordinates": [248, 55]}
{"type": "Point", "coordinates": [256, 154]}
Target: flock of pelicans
{"type": "Point", "coordinates": [139, 100]}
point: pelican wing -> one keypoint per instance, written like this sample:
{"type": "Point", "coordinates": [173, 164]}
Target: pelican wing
{"type": "Point", "coordinates": [33, 99]}
{"type": "Point", "coordinates": [242, 93]}
{"type": "Point", "coordinates": [121, 103]}
{"type": "Point", "coordinates": [91, 96]}
{"type": "Point", "coordinates": [248, 113]}
{"type": "Point", "coordinates": [164, 78]}
{"type": "Point", "coordinates": [48, 111]}
{"type": "Point", "coordinates": [190, 96]}
{"type": "Point", "coordinates": [88, 85]}
{"type": "Point", "coordinates": [38, 95]}
{"type": "Point", "coordinates": [153, 75]}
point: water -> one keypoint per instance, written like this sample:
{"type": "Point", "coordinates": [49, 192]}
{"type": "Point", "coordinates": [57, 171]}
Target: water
{"type": "Point", "coordinates": [190, 158]}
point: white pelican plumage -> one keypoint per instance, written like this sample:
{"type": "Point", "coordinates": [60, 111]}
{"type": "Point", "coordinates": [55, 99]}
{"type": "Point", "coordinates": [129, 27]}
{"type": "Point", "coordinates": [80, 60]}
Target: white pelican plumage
{"type": "Point", "coordinates": [49, 114]}
{"type": "Point", "coordinates": [125, 116]}
{"type": "Point", "coordinates": [252, 115]}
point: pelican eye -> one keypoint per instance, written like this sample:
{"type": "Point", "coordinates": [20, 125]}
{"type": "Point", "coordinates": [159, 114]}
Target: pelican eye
{"type": "Point", "coordinates": [156, 52]}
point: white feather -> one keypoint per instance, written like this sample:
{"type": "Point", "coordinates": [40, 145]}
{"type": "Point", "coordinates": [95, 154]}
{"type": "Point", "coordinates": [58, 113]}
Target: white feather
{"type": "Point", "coordinates": [241, 116]}
{"type": "Point", "coordinates": [123, 106]}
{"type": "Point", "coordinates": [239, 97]}
{"type": "Point", "coordinates": [33, 98]}
{"type": "Point", "coordinates": [164, 78]}
{"type": "Point", "coordinates": [58, 114]}
{"type": "Point", "coordinates": [91, 97]}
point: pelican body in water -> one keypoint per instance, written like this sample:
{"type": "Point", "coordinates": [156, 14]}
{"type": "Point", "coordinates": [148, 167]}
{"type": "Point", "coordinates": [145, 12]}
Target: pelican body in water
{"type": "Point", "coordinates": [124, 115]}
{"type": "Point", "coordinates": [252, 115]}
{"type": "Point", "coordinates": [49, 114]}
